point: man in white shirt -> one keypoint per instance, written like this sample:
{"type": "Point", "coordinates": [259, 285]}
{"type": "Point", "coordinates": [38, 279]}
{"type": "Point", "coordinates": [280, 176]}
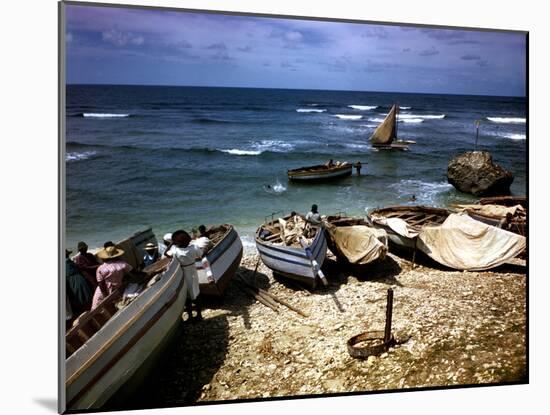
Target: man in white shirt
{"type": "Point", "coordinates": [186, 254]}
{"type": "Point", "coordinates": [313, 217]}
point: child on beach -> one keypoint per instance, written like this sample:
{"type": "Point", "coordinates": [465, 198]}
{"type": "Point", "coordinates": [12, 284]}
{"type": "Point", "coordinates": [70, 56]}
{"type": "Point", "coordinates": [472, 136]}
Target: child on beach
{"type": "Point", "coordinates": [187, 253]}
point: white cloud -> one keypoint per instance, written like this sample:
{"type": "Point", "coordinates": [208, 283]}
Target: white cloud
{"type": "Point", "coordinates": [119, 38]}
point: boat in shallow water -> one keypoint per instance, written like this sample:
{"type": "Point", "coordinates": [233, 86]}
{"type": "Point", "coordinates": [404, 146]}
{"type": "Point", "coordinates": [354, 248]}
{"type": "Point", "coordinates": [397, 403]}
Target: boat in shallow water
{"type": "Point", "coordinates": [385, 135]}
{"type": "Point", "coordinates": [299, 261]}
{"type": "Point", "coordinates": [320, 172]}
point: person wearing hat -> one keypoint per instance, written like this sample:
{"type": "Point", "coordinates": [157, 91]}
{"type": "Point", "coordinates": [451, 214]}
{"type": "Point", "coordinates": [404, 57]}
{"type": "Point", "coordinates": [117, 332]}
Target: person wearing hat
{"type": "Point", "coordinates": [186, 254]}
{"type": "Point", "coordinates": [165, 244]}
{"type": "Point", "coordinates": [151, 254]}
{"type": "Point", "coordinates": [86, 263]}
{"type": "Point", "coordinates": [110, 274]}
{"type": "Point", "coordinates": [79, 292]}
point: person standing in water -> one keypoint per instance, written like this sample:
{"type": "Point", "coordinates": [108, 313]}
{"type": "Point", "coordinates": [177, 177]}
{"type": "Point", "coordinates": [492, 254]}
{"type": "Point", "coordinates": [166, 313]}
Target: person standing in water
{"type": "Point", "coordinates": [358, 167]}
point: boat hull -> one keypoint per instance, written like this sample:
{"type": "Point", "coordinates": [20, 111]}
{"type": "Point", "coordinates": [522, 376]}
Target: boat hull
{"type": "Point", "coordinates": [224, 260]}
{"type": "Point", "coordinates": [518, 227]}
{"type": "Point", "coordinates": [321, 175]}
{"type": "Point", "coordinates": [293, 262]}
{"type": "Point", "coordinates": [114, 355]}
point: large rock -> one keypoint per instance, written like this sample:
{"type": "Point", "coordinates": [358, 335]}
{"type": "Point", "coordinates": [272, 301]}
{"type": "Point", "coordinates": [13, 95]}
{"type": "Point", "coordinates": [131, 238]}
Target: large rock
{"type": "Point", "coordinates": [474, 172]}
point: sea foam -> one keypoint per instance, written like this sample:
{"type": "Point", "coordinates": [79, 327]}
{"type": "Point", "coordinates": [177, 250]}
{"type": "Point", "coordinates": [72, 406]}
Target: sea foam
{"type": "Point", "coordinates": [348, 117]}
{"type": "Point", "coordinates": [103, 115]}
{"type": "Point", "coordinates": [76, 156]}
{"type": "Point", "coordinates": [363, 107]}
{"type": "Point", "coordinates": [507, 120]}
{"type": "Point", "coordinates": [310, 110]}
{"type": "Point", "coordinates": [514, 136]}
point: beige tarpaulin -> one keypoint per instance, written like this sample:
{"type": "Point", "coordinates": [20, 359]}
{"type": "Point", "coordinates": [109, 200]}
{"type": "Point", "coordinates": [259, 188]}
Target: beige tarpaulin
{"type": "Point", "coordinates": [359, 244]}
{"type": "Point", "coordinates": [399, 226]}
{"type": "Point", "coordinates": [467, 244]}
{"type": "Point", "coordinates": [493, 211]}
{"type": "Point", "coordinates": [292, 230]}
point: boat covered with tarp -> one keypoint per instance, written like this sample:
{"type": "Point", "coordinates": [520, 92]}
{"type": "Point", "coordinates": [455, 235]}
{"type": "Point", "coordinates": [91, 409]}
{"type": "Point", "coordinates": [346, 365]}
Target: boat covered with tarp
{"type": "Point", "coordinates": [354, 240]}
{"type": "Point", "coordinates": [512, 218]}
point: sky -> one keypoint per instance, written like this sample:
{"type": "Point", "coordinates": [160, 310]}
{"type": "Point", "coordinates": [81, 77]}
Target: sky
{"type": "Point", "coordinates": [106, 45]}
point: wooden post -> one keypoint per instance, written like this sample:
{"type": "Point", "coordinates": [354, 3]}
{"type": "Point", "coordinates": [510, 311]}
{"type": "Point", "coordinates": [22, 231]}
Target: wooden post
{"type": "Point", "coordinates": [414, 252]}
{"type": "Point", "coordinates": [477, 134]}
{"type": "Point", "coordinates": [389, 310]}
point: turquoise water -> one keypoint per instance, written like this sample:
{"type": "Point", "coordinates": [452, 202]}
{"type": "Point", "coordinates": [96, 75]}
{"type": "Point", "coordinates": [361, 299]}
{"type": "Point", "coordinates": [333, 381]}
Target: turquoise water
{"type": "Point", "coordinates": [176, 157]}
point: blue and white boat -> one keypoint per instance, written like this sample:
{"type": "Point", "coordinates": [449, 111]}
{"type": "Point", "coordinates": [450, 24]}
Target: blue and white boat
{"type": "Point", "coordinates": [302, 263]}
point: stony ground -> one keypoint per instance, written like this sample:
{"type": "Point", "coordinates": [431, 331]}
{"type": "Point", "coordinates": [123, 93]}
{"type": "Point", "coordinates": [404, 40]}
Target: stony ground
{"type": "Point", "coordinates": [456, 328]}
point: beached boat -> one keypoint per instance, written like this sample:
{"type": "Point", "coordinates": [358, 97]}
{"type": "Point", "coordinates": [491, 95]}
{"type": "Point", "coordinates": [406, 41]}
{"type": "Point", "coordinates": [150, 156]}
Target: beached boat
{"type": "Point", "coordinates": [320, 172]}
{"type": "Point", "coordinates": [495, 215]}
{"type": "Point", "coordinates": [221, 261]}
{"type": "Point", "coordinates": [109, 348]}
{"type": "Point", "coordinates": [404, 223]}
{"type": "Point", "coordinates": [385, 135]}
{"type": "Point", "coordinates": [354, 240]}
{"type": "Point", "coordinates": [504, 201]}
{"type": "Point", "coordinates": [300, 262]}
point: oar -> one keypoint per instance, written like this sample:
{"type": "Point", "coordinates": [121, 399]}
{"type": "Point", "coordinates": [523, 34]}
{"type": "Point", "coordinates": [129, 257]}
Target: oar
{"type": "Point", "coordinates": [314, 265]}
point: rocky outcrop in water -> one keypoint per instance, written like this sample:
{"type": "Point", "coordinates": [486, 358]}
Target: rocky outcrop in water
{"type": "Point", "coordinates": [474, 172]}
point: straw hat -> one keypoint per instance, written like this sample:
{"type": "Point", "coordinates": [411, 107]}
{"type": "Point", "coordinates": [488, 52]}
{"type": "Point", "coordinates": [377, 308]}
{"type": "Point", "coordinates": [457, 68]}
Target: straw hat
{"type": "Point", "coordinates": [150, 246]}
{"type": "Point", "coordinates": [110, 252]}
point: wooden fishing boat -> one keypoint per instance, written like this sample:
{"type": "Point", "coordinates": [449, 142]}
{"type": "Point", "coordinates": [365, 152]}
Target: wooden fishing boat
{"type": "Point", "coordinates": [504, 201]}
{"type": "Point", "coordinates": [385, 135]}
{"type": "Point", "coordinates": [415, 217]}
{"type": "Point", "coordinates": [320, 172]}
{"type": "Point", "coordinates": [356, 248]}
{"type": "Point", "coordinates": [221, 261]}
{"type": "Point", "coordinates": [302, 263]}
{"type": "Point", "coordinates": [517, 225]}
{"type": "Point", "coordinates": [109, 347]}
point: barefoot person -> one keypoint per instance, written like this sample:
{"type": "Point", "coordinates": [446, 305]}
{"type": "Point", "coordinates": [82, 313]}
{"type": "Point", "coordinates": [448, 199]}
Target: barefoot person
{"type": "Point", "coordinates": [186, 254]}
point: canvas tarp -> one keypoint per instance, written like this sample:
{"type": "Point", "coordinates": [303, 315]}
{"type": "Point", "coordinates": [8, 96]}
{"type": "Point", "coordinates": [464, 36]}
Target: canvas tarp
{"type": "Point", "coordinates": [399, 226]}
{"type": "Point", "coordinates": [493, 211]}
{"type": "Point", "coordinates": [466, 244]}
{"type": "Point", "coordinates": [359, 244]}
{"type": "Point", "coordinates": [385, 132]}
{"type": "Point", "coordinates": [293, 229]}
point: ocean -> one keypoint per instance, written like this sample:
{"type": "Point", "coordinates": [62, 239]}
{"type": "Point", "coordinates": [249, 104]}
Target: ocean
{"type": "Point", "coordinates": [178, 157]}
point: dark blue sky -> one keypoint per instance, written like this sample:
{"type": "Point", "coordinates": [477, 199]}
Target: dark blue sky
{"type": "Point", "coordinates": [151, 47]}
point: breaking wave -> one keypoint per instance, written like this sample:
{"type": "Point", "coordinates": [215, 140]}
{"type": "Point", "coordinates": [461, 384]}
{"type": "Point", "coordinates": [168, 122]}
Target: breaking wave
{"type": "Point", "coordinates": [348, 117]}
{"type": "Point", "coordinates": [423, 117]}
{"type": "Point", "coordinates": [255, 149]}
{"type": "Point", "coordinates": [238, 152]}
{"type": "Point", "coordinates": [405, 108]}
{"type": "Point", "coordinates": [514, 136]}
{"type": "Point", "coordinates": [76, 156]}
{"type": "Point", "coordinates": [310, 110]}
{"type": "Point", "coordinates": [363, 107]}
{"type": "Point", "coordinates": [507, 120]}
{"type": "Point", "coordinates": [103, 115]}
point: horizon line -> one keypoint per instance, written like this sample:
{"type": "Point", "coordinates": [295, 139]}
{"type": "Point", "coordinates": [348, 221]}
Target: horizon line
{"type": "Point", "coordinates": [293, 89]}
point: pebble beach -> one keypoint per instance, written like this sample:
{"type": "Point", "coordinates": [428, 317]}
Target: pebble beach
{"type": "Point", "coordinates": [452, 328]}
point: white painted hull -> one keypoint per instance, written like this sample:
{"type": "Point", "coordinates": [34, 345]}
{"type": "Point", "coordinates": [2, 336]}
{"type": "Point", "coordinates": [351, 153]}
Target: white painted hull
{"type": "Point", "coordinates": [110, 358]}
{"type": "Point", "coordinates": [224, 260]}
{"type": "Point", "coordinates": [294, 262]}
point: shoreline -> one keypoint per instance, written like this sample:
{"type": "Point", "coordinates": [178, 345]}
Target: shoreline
{"type": "Point", "coordinates": [462, 328]}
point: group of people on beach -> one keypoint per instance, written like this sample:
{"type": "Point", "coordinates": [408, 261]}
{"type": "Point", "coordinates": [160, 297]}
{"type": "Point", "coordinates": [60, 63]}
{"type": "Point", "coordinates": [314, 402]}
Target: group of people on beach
{"type": "Point", "coordinates": [91, 278]}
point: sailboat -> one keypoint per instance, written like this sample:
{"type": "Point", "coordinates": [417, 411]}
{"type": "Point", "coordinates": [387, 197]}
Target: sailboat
{"type": "Point", "coordinates": [385, 136]}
